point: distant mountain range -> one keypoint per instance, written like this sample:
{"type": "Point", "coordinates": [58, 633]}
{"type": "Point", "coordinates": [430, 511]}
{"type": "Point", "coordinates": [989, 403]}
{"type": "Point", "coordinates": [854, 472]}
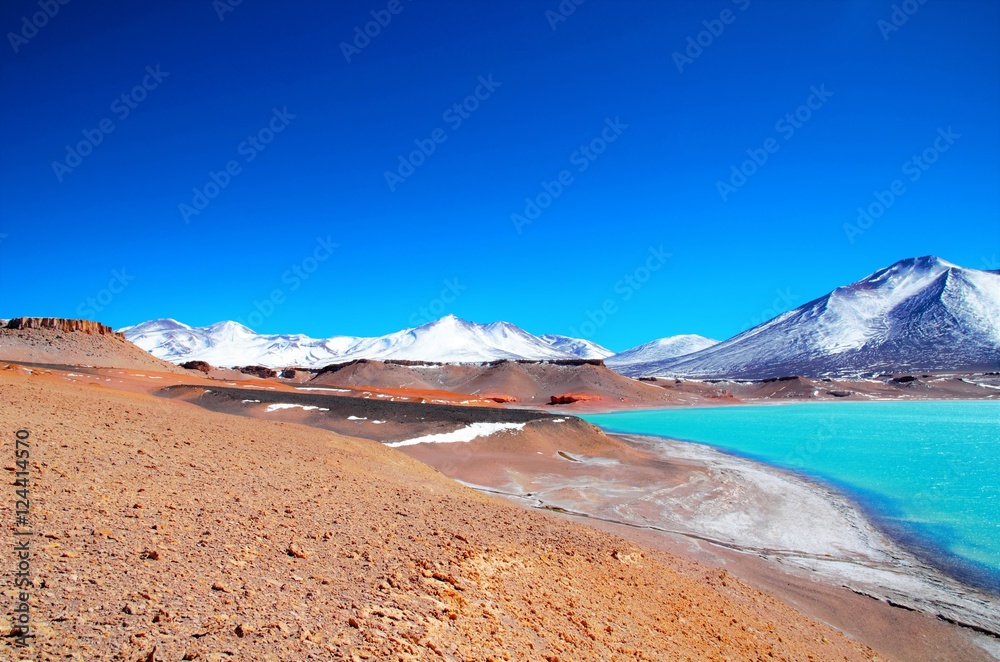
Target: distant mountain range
{"type": "Point", "coordinates": [663, 349]}
{"type": "Point", "coordinates": [447, 340]}
{"type": "Point", "coordinates": [577, 347]}
{"type": "Point", "coordinates": [919, 314]}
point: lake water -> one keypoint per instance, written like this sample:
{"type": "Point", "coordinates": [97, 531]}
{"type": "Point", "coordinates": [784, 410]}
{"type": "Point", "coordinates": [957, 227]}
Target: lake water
{"type": "Point", "coordinates": [928, 473]}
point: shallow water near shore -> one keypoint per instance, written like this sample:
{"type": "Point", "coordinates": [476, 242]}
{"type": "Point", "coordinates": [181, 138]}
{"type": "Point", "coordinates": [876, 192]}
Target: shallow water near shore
{"type": "Point", "coordinates": [927, 473]}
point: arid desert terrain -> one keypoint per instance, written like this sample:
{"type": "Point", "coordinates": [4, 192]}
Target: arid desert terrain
{"type": "Point", "coordinates": [175, 517]}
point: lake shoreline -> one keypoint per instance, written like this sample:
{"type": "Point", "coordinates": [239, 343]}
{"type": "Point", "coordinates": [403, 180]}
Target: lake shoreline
{"type": "Point", "coordinates": [921, 472]}
{"type": "Point", "coordinates": [873, 563]}
{"type": "Point", "coordinates": [879, 513]}
{"type": "Point", "coordinates": [803, 543]}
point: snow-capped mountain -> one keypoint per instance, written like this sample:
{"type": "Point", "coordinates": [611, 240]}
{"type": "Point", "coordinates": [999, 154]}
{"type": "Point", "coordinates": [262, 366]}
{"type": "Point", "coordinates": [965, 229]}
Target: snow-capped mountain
{"type": "Point", "coordinates": [453, 340]}
{"type": "Point", "coordinates": [578, 347]}
{"type": "Point", "coordinates": [447, 340]}
{"type": "Point", "coordinates": [919, 314]}
{"type": "Point", "coordinates": [632, 362]}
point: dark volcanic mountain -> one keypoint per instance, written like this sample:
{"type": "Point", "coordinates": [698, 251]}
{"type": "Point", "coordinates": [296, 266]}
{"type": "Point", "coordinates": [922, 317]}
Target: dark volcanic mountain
{"type": "Point", "coordinates": [919, 314]}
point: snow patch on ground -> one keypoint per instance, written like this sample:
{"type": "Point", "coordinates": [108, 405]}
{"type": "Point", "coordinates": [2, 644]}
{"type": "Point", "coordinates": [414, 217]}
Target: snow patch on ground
{"type": "Point", "coordinates": [283, 405]}
{"type": "Point", "coordinates": [466, 434]}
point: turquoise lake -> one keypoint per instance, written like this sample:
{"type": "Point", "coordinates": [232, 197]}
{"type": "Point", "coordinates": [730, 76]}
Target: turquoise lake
{"type": "Point", "coordinates": [928, 473]}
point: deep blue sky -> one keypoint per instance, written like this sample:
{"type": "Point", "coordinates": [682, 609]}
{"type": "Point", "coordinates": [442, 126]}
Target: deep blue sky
{"type": "Point", "coordinates": [778, 239]}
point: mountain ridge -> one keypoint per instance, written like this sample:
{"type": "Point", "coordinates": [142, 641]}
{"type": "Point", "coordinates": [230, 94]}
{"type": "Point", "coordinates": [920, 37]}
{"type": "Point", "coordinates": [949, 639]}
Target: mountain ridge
{"type": "Point", "coordinates": [918, 314]}
{"type": "Point", "coordinates": [446, 340]}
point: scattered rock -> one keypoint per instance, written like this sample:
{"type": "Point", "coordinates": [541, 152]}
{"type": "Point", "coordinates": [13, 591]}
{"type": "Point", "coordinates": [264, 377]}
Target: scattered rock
{"type": "Point", "coordinates": [134, 609]}
{"type": "Point", "coordinates": [570, 398]}
{"type": "Point", "coordinates": [500, 397]}
{"type": "Point", "coordinates": [297, 551]}
{"type": "Point", "coordinates": [259, 371]}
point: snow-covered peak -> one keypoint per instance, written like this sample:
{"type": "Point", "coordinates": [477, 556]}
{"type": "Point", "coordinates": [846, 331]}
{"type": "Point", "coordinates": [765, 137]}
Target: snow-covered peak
{"type": "Point", "coordinates": [154, 326]}
{"type": "Point", "coordinates": [918, 314]}
{"type": "Point", "coordinates": [447, 340]}
{"type": "Point", "coordinates": [454, 340]}
{"type": "Point", "coordinates": [229, 327]}
{"type": "Point", "coordinates": [661, 350]}
{"type": "Point", "coordinates": [578, 347]}
{"type": "Point", "coordinates": [229, 331]}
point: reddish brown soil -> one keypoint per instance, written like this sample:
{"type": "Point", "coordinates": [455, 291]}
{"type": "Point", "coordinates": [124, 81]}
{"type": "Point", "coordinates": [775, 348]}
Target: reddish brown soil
{"type": "Point", "coordinates": [47, 345]}
{"type": "Point", "coordinates": [163, 530]}
{"type": "Point", "coordinates": [546, 453]}
{"type": "Point", "coordinates": [526, 383]}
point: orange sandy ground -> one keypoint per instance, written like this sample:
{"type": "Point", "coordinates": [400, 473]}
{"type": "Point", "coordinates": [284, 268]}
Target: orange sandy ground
{"type": "Point", "coordinates": [166, 532]}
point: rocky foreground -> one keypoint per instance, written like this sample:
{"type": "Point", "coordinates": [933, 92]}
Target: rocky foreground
{"type": "Point", "coordinates": [167, 532]}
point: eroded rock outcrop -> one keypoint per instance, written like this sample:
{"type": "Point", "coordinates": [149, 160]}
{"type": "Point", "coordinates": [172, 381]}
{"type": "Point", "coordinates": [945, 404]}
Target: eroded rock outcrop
{"type": "Point", "coordinates": [570, 398]}
{"type": "Point", "coordinates": [259, 371]}
{"type": "Point", "coordinates": [62, 324]}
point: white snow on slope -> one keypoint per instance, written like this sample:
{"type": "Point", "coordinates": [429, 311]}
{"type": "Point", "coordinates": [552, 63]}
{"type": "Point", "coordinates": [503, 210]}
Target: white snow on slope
{"type": "Point", "coordinates": [462, 435]}
{"type": "Point", "coordinates": [578, 347]}
{"type": "Point", "coordinates": [284, 405]}
{"type": "Point", "coordinates": [918, 314]}
{"type": "Point", "coordinates": [660, 350]}
{"type": "Point", "coordinates": [447, 340]}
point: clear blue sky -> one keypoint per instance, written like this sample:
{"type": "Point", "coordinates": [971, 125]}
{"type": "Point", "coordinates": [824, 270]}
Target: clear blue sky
{"type": "Point", "coordinates": [110, 216]}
